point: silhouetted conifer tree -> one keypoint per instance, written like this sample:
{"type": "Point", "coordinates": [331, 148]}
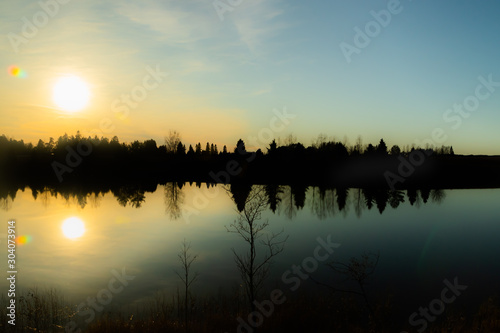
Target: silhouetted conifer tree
{"type": "Point", "coordinates": [240, 147]}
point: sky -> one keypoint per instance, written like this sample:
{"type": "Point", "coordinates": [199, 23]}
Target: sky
{"type": "Point", "coordinates": [409, 72]}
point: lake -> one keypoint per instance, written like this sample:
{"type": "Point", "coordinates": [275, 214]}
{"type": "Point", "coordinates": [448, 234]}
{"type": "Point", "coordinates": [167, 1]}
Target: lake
{"type": "Point", "coordinates": [421, 238]}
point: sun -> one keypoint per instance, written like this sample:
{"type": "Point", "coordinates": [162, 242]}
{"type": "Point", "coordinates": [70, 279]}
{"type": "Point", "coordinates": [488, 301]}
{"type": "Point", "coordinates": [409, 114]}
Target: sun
{"type": "Point", "coordinates": [73, 228]}
{"type": "Point", "coordinates": [71, 93]}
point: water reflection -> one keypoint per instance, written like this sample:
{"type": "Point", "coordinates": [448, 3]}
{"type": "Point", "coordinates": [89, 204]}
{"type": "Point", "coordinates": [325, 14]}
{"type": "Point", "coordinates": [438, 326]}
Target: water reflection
{"type": "Point", "coordinates": [73, 228]}
{"type": "Point", "coordinates": [174, 199]}
{"type": "Point", "coordinates": [129, 195]}
{"type": "Point", "coordinates": [415, 256]}
{"type": "Point", "coordinates": [262, 246]}
{"type": "Point", "coordinates": [324, 202]}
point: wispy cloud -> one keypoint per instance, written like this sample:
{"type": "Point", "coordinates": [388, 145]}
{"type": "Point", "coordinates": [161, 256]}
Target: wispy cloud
{"type": "Point", "coordinates": [258, 21]}
{"type": "Point", "coordinates": [174, 24]}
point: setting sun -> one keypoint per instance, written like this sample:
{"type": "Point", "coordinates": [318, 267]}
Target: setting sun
{"type": "Point", "coordinates": [71, 93]}
{"type": "Point", "coordinates": [73, 228]}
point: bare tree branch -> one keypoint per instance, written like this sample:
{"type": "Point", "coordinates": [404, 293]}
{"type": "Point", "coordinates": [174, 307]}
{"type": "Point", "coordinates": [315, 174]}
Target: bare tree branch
{"type": "Point", "coordinates": [253, 270]}
{"type": "Point", "coordinates": [186, 259]}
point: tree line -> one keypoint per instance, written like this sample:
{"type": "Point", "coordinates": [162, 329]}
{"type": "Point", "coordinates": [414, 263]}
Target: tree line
{"type": "Point", "coordinates": [81, 159]}
{"type": "Point", "coordinates": [173, 146]}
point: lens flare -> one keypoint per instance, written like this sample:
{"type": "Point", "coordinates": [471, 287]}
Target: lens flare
{"type": "Point", "coordinates": [21, 240]}
{"type": "Point", "coordinates": [17, 72]}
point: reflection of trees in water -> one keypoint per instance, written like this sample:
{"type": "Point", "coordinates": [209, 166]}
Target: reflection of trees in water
{"type": "Point", "coordinates": [254, 263]}
{"type": "Point", "coordinates": [299, 195]}
{"type": "Point", "coordinates": [273, 193]}
{"type": "Point", "coordinates": [240, 192]}
{"type": "Point", "coordinates": [7, 196]}
{"type": "Point", "coordinates": [95, 199]}
{"type": "Point", "coordinates": [438, 195]}
{"type": "Point", "coordinates": [358, 201]}
{"type": "Point", "coordinates": [174, 198]}
{"type": "Point", "coordinates": [323, 202]}
{"type": "Point", "coordinates": [342, 194]}
{"type": "Point", "coordinates": [396, 198]}
{"type": "Point", "coordinates": [45, 197]}
{"type": "Point", "coordinates": [6, 203]}
{"type": "Point", "coordinates": [82, 196]}
{"type": "Point", "coordinates": [417, 197]}
{"type": "Point", "coordinates": [287, 204]}
{"type": "Point", "coordinates": [412, 195]}
{"type": "Point", "coordinates": [425, 193]}
{"type": "Point", "coordinates": [381, 198]}
{"type": "Point", "coordinates": [369, 197]}
{"type": "Point", "coordinates": [293, 198]}
{"type": "Point", "coordinates": [79, 197]}
{"type": "Point", "coordinates": [129, 195]}
{"type": "Point", "coordinates": [81, 200]}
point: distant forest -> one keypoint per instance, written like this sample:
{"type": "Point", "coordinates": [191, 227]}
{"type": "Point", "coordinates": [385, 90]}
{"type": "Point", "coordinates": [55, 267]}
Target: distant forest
{"type": "Point", "coordinates": [77, 159]}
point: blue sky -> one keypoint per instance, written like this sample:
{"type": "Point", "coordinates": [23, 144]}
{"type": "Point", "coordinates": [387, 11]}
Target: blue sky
{"type": "Point", "coordinates": [227, 76]}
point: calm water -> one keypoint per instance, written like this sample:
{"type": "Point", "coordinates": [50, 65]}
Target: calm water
{"type": "Point", "coordinates": [453, 234]}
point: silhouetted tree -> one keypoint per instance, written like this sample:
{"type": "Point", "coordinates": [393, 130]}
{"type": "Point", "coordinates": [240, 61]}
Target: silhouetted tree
{"type": "Point", "coordinates": [395, 150]}
{"type": "Point", "coordinates": [40, 146]}
{"type": "Point", "coordinates": [370, 149]}
{"type": "Point", "coordinates": [272, 147]}
{"type": "Point", "coordinates": [253, 270]}
{"type": "Point", "coordinates": [172, 141]}
{"type": "Point", "coordinates": [150, 146]}
{"type": "Point", "coordinates": [186, 259]}
{"type": "Point", "coordinates": [382, 148]}
{"type": "Point", "coordinates": [357, 149]}
{"type": "Point", "coordinates": [181, 149]}
{"type": "Point", "coordinates": [240, 147]}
